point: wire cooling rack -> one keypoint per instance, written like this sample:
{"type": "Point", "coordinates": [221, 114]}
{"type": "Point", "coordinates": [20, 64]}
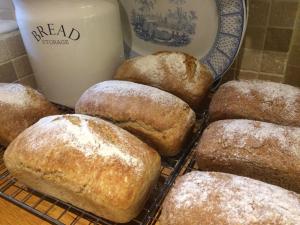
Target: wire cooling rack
{"type": "Point", "coordinates": [58, 212]}
{"type": "Point", "coordinates": [188, 164]}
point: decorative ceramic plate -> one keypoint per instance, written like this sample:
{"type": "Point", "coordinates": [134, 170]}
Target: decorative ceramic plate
{"type": "Point", "coordinates": [211, 30]}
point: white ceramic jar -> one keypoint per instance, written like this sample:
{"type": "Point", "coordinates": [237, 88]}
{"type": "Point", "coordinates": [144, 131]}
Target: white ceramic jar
{"type": "Point", "coordinates": [72, 44]}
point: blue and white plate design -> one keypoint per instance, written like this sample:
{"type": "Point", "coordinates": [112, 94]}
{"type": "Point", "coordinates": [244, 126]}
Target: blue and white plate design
{"type": "Point", "coordinates": [211, 30]}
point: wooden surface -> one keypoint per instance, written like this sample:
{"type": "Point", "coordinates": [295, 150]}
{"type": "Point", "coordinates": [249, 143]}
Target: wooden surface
{"type": "Point", "coordinates": [13, 215]}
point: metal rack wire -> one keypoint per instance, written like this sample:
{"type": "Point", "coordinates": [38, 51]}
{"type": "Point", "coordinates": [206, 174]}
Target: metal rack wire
{"type": "Point", "coordinates": [190, 164]}
{"type": "Point", "coordinates": [58, 212]}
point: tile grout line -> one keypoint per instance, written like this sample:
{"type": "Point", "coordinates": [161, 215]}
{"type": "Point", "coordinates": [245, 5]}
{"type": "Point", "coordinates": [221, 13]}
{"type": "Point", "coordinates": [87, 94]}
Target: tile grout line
{"type": "Point", "coordinates": [12, 59]}
{"type": "Point", "coordinates": [292, 39]}
{"type": "Point", "coordinates": [266, 33]}
{"type": "Point", "coordinates": [293, 36]}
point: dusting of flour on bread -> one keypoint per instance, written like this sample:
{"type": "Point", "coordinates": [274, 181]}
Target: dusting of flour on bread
{"type": "Point", "coordinates": [246, 129]}
{"type": "Point", "coordinates": [82, 138]}
{"type": "Point", "coordinates": [14, 94]}
{"type": "Point", "coordinates": [155, 65]}
{"type": "Point", "coordinates": [149, 65]}
{"type": "Point", "coordinates": [270, 92]}
{"type": "Point", "coordinates": [126, 88]}
{"type": "Point", "coordinates": [233, 199]}
{"type": "Point", "coordinates": [260, 132]}
{"type": "Point", "coordinates": [175, 63]}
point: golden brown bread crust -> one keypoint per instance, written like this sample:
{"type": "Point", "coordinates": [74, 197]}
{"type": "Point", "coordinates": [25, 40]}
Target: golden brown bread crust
{"type": "Point", "coordinates": [259, 150]}
{"type": "Point", "coordinates": [157, 117]}
{"type": "Point", "coordinates": [223, 199]}
{"type": "Point", "coordinates": [20, 107]}
{"type": "Point", "coordinates": [175, 72]}
{"type": "Point", "coordinates": [87, 162]}
{"type": "Point", "coordinates": [257, 100]}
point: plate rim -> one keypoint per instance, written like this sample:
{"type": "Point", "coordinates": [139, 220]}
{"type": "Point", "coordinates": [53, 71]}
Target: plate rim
{"type": "Point", "coordinates": [218, 78]}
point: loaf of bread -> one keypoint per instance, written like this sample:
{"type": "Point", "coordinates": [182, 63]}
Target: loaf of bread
{"type": "Point", "coordinates": [209, 198]}
{"type": "Point", "coordinates": [20, 107]}
{"type": "Point", "coordinates": [259, 150]}
{"type": "Point", "coordinates": [257, 100]}
{"type": "Point", "coordinates": [87, 162]}
{"type": "Point", "coordinates": [174, 72]}
{"type": "Point", "coordinates": [160, 119]}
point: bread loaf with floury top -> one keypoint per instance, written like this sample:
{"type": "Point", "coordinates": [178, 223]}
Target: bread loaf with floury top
{"type": "Point", "coordinates": [255, 149]}
{"type": "Point", "coordinates": [20, 107]}
{"type": "Point", "coordinates": [209, 198]}
{"type": "Point", "coordinates": [87, 162]}
{"type": "Point", "coordinates": [257, 100]}
{"type": "Point", "coordinates": [175, 72]}
{"type": "Point", "coordinates": [157, 117]}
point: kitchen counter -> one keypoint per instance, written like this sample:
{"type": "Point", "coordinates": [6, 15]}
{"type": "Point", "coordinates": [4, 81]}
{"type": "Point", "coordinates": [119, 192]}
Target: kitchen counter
{"type": "Point", "coordinates": [14, 215]}
{"type": "Point", "coordinates": [11, 214]}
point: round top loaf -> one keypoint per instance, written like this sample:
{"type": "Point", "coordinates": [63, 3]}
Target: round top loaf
{"type": "Point", "coordinates": [87, 162]}
{"type": "Point", "coordinates": [125, 99]}
{"type": "Point", "coordinates": [20, 107]}
{"type": "Point", "coordinates": [156, 116]}
{"type": "Point", "coordinates": [176, 72]}
{"type": "Point", "coordinates": [210, 198]}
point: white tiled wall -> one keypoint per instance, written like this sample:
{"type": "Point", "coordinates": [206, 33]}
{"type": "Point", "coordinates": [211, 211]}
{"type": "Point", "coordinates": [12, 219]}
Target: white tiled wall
{"type": "Point", "coordinates": [6, 9]}
{"type": "Point", "coordinates": [14, 63]}
{"type": "Point", "coordinates": [6, 4]}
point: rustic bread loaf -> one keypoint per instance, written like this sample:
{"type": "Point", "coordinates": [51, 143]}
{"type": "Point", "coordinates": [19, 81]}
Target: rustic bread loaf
{"type": "Point", "coordinates": [157, 117]}
{"type": "Point", "coordinates": [257, 100]}
{"type": "Point", "coordinates": [87, 162]}
{"type": "Point", "coordinates": [259, 150]}
{"type": "Point", "coordinates": [175, 72]}
{"type": "Point", "coordinates": [223, 199]}
{"type": "Point", "coordinates": [20, 107]}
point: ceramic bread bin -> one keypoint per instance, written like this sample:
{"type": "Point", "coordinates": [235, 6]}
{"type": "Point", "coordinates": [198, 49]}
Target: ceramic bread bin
{"type": "Point", "coordinates": [70, 44]}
